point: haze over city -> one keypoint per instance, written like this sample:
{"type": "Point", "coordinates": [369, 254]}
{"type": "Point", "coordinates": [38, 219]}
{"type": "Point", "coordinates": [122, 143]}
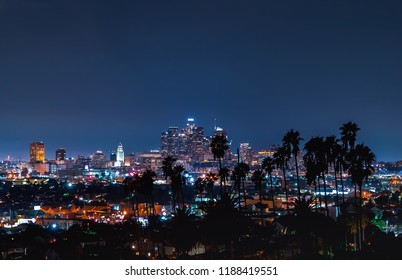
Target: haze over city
{"type": "Point", "coordinates": [87, 75]}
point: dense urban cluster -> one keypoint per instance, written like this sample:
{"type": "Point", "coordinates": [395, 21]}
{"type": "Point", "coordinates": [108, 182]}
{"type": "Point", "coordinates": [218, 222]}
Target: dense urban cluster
{"type": "Point", "coordinates": [198, 197]}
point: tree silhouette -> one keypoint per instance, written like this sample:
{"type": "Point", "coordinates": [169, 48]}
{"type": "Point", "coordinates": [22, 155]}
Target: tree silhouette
{"type": "Point", "coordinates": [281, 162]}
{"type": "Point", "coordinates": [361, 160]}
{"type": "Point", "coordinates": [174, 173]}
{"type": "Point", "coordinates": [332, 150]}
{"type": "Point", "coordinates": [268, 165]}
{"type": "Point", "coordinates": [240, 173]}
{"type": "Point", "coordinates": [167, 166]}
{"type": "Point", "coordinates": [178, 183]}
{"type": "Point", "coordinates": [349, 133]}
{"type": "Point", "coordinates": [257, 179]}
{"type": "Point", "coordinates": [291, 142]}
{"type": "Point", "coordinates": [219, 146]}
{"type": "Point", "coordinates": [315, 160]}
{"type": "Point", "coordinates": [183, 232]}
{"type": "Point", "coordinates": [147, 188]}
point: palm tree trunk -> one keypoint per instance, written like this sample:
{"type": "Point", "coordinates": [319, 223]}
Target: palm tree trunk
{"type": "Point", "coordinates": [297, 176]}
{"type": "Point", "coordinates": [261, 204]}
{"type": "Point", "coordinates": [315, 191]}
{"type": "Point", "coordinates": [220, 181]}
{"type": "Point", "coordinates": [244, 194]}
{"type": "Point", "coordinates": [137, 211]}
{"type": "Point", "coordinates": [182, 196]}
{"type": "Point", "coordinates": [336, 185]}
{"type": "Point", "coordinates": [238, 185]}
{"type": "Point", "coordinates": [153, 204]}
{"type": "Point", "coordinates": [273, 198]}
{"type": "Point", "coordinates": [319, 192]}
{"type": "Point", "coordinates": [173, 200]}
{"type": "Point", "coordinates": [343, 187]}
{"type": "Point", "coordinates": [286, 189]}
{"type": "Point", "coordinates": [325, 194]}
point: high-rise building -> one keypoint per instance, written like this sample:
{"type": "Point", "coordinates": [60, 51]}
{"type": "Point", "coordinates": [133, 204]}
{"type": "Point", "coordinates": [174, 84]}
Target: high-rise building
{"type": "Point", "coordinates": [170, 142]}
{"type": "Point", "coordinates": [60, 154]}
{"type": "Point", "coordinates": [98, 160]}
{"type": "Point", "coordinates": [113, 156]}
{"type": "Point", "coordinates": [37, 152]}
{"type": "Point", "coordinates": [119, 156]}
{"type": "Point", "coordinates": [246, 153]}
{"type": "Point", "coordinates": [188, 144]}
{"type": "Point", "coordinates": [129, 160]}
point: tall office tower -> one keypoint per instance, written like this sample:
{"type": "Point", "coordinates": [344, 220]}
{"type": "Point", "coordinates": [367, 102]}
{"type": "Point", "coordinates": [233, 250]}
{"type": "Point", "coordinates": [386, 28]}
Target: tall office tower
{"type": "Point", "coordinates": [186, 138]}
{"type": "Point", "coordinates": [37, 152]}
{"type": "Point", "coordinates": [98, 160]}
{"type": "Point", "coordinates": [173, 140]}
{"type": "Point", "coordinates": [170, 142]}
{"type": "Point", "coordinates": [113, 156]}
{"type": "Point", "coordinates": [197, 144]}
{"type": "Point", "coordinates": [119, 156]}
{"type": "Point", "coordinates": [246, 153]}
{"type": "Point", "coordinates": [164, 144]}
{"type": "Point", "coordinates": [60, 154]}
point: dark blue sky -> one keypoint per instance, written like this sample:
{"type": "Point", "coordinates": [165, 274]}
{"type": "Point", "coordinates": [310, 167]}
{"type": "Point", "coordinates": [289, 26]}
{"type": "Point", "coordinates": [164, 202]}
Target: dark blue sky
{"type": "Point", "coordinates": [86, 75]}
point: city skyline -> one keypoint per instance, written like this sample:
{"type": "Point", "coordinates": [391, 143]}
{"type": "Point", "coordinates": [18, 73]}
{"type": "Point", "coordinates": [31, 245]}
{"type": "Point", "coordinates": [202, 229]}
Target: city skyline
{"type": "Point", "coordinates": [112, 150]}
{"type": "Point", "coordinates": [86, 75]}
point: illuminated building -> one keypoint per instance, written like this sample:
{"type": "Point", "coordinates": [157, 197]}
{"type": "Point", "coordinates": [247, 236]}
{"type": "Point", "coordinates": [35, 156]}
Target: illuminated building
{"type": "Point", "coordinates": [119, 156]}
{"type": "Point", "coordinates": [98, 160]}
{"type": "Point", "coordinates": [246, 153]}
{"type": "Point", "coordinates": [150, 160]}
{"type": "Point", "coordinates": [113, 156]}
{"type": "Point", "coordinates": [130, 159]}
{"type": "Point", "coordinates": [170, 142]}
{"type": "Point", "coordinates": [60, 154]}
{"type": "Point", "coordinates": [37, 152]}
{"type": "Point", "coordinates": [190, 145]}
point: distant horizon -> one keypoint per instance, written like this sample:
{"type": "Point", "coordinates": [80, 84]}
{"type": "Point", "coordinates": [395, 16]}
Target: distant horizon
{"type": "Point", "coordinates": [74, 153]}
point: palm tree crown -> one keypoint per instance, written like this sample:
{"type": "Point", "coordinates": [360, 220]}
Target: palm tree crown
{"type": "Point", "coordinates": [349, 133]}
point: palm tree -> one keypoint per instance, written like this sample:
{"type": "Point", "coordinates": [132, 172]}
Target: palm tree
{"type": "Point", "coordinates": [291, 142]}
{"type": "Point", "coordinates": [361, 167]}
{"type": "Point", "coordinates": [224, 175]}
{"type": "Point", "coordinates": [268, 165]}
{"type": "Point", "coordinates": [332, 156]}
{"type": "Point", "coordinates": [167, 166]}
{"type": "Point", "coordinates": [132, 187]}
{"type": "Point", "coordinates": [311, 166]}
{"type": "Point", "coordinates": [316, 163]}
{"type": "Point", "coordinates": [168, 171]}
{"type": "Point", "coordinates": [281, 161]}
{"type": "Point", "coordinates": [219, 145]}
{"type": "Point", "coordinates": [177, 183]}
{"type": "Point", "coordinates": [341, 167]}
{"type": "Point", "coordinates": [257, 179]}
{"type": "Point", "coordinates": [210, 183]}
{"type": "Point", "coordinates": [183, 230]}
{"type": "Point", "coordinates": [147, 181]}
{"type": "Point", "coordinates": [349, 132]}
{"type": "Point", "coordinates": [240, 173]}
{"type": "Point", "coordinates": [200, 186]}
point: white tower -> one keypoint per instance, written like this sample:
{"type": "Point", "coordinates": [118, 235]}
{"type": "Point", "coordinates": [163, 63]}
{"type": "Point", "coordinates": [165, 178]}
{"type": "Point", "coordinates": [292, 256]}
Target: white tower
{"type": "Point", "coordinates": [119, 156]}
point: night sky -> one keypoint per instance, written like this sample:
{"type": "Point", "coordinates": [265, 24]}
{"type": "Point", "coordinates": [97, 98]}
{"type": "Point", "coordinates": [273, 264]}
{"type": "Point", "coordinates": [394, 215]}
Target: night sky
{"type": "Point", "coordinates": [86, 75]}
